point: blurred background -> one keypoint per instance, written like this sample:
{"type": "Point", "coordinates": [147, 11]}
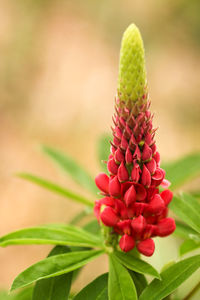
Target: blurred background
{"type": "Point", "coordinates": [58, 78]}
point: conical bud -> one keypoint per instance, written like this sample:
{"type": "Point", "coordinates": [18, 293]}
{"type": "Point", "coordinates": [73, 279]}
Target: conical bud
{"type": "Point", "coordinates": [102, 182]}
{"type": "Point", "coordinates": [114, 187]}
{"type": "Point", "coordinates": [130, 196]}
{"type": "Point", "coordinates": [146, 177]}
{"type": "Point", "coordinates": [122, 173]}
{"type": "Point", "coordinates": [112, 166]}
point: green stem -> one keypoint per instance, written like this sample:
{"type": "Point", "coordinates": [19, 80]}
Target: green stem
{"type": "Point", "coordinates": [193, 291]}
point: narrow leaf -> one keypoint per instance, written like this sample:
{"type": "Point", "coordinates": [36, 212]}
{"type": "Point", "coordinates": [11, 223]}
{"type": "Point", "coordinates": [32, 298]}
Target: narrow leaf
{"type": "Point", "coordinates": [187, 208]}
{"type": "Point", "coordinates": [182, 170]}
{"type": "Point", "coordinates": [103, 150]}
{"type": "Point", "coordinates": [96, 290]}
{"type": "Point", "coordinates": [188, 246]}
{"type": "Point", "coordinates": [172, 278]}
{"type": "Point", "coordinates": [120, 283]}
{"type": "Point", "coordinates": [56, 288]}
{"type": "Point", "coordinates": [56, 188]}
{"type": "Point", "coordinates": [136, 264]}
{"type": "Point", "coordinates": [54, 266]}
{"type": "Point", "coordinates": [139, 281]}
{"type": "Point", "coordinates": [185, 232]}
{"type": "Point", "coordinates": [69, 166]}
{"type": "Point", "coordinates": [51, 235]}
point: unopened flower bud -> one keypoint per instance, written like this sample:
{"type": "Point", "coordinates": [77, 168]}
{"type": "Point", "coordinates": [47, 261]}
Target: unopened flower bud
{"type": "Point", "coordinates": [130, 196]}
{"type": "Point", "coordinates": [112, 166]}
{"type": "Point", "coordinates": [146, 247]}
{"type": "Point", "coordinates": [102, 182]}
{"type": "Point", "coordinates": [114, 187]}
{"type": "Point", "coordinates": [126, 243]}
{"type": "Point", "coordinates": [165, 227]}
{"type": "Point", "coordinates": [122, 173]}
{"type": "Point", "coordinates": [109, 217]}
{"type": "Point", "coordinates": [146, 152]}
{"type": "Point", "coordinates": [146, 177]}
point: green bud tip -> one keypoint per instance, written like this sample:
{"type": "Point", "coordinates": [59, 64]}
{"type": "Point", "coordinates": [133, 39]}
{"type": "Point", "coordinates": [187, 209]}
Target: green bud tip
{"type": "Point", "coordinates": [132, 73]}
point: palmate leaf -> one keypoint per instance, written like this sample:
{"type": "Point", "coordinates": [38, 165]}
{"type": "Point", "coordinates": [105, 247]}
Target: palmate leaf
{"type": "Point", "coordinates": [56, 288]}
{"type": "Point", "coordinates": [72, 168]}
{"type": "Point", "coordinates": [187, 208]}
{"type": "Point", "coordinates": [54, 266]}
{"type": "Point", "coordinates": [56, 188]}
{"type": "Point", "coordinates": [96, 290]}
{"type": "Point", "coordinates": [171, 278]}
{"type": "Point", "coordinates": [120, 283]}
{"type": "Point", "coordinates": [188, 246]}
{"type": "Point", "coordinates": [182, 170]}
{"type": "Point", "coordinates": [135, 264]}
{"type": "Point", "coordinates": [54, 234]}
{"type": "Point", "coordinates": [103, 150]}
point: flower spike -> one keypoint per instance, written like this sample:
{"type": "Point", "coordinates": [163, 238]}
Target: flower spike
{"type": "Point", "coordinates": [134, 206]}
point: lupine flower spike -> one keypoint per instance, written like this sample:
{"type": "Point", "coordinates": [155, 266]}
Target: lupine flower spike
{"type": "Point", "coordinates": [132, 204]}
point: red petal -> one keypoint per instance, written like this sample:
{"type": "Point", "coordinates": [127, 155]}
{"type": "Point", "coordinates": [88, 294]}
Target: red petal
{"type": "Point", "coordinates": [137, 153]}
{"type": "Point", "coordinates": [128, 156]}
{"type": "Point", "coordinates": [119, 156]}
{"type": "Point", "coordinates": [167, 196]}
{"type": "Point", "coordinates": [165, 227]}
{"type": "Point", "coordinates": [138, 224]}
{"type": "Point", "coordinates": [151, 166]}
{"type": "Point", "coordinates": [122, 173]}
{"type": "Point", "coordinates": [140, 192]}
{"type": "Point", "coordinates": [146, 247]}
{"type": "Point", "coordinates": [126, 243]}
{"type": "Point", "coordinates": [130, 196]}
{"type": "Point", "coordinates": [112, 166]}
{"type": "Point", "coordinates": [146, 152]}
{"type": "Point", "coordinates": [124, 226]}
{"type": "Point", "coordinates": [124, 143]}
{"type": "Point", "coordinates": [146, 177]}
{"type": "Point", "coordinates": [156, 205]}
{"type": "Point", "coordinates": [109, 217]}
{"type": "Point", "coordinates": [114, 187]}
{"type": "Point", "coordinates": [102, 182]}
{"type": "Point", "coordinates": [135, 173]}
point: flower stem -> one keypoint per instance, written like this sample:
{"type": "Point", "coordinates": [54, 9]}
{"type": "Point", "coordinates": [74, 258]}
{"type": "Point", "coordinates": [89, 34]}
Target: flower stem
{"type": "Point", "coordinates": [193, 291]}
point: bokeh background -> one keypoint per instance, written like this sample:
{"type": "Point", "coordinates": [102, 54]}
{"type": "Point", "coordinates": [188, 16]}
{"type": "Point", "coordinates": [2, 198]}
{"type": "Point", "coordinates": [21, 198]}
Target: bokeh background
{"type": "Point", "coordinates": [58, 77]}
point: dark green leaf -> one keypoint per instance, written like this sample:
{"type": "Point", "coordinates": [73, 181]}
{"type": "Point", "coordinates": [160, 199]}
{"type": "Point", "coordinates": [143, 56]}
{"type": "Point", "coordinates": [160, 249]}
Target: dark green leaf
{"type": "Point", "coordinates": [172, 278]}
{"type": "Point", "coordinates": [56, 288]}
{"type": "Point", "coordinates": [54, 266]}
{"type": "Point", "coordinates": [182, 170]}
{"type": "Point", "coordinates": [69, 166]}
{"type": "Point", "coordinates": [188, 246]}
{"type": "Point", "coordinates": [56, 189]}
{"type": "Point", "coordinates": [96, 290]}
{"type": "Point", "coordinates": [136, 264]}
{"type": "Point", "coordinates": [104, 150]}
{"type": "Point", "coordinates": [185, 232]}
{"type": "Point", "coordinates": [187, 208]}
{"type": "Point", "coordinates": [120, 283]}
{"type": "Point", "coordinates": [139, 281]}
{"type": "Point", "coordinates": [51, 234]}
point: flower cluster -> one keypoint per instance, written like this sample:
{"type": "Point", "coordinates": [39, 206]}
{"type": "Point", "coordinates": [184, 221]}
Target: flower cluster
{"type": "Point", "coordinates": [133, 206]}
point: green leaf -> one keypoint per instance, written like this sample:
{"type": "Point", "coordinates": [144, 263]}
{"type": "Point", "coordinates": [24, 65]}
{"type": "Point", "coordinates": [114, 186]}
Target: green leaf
{"type": "Point", "coordinates": [103, 150]}
{"type": "Point", "coordinates": [185, 232]}
{"type": "Point", "coordinates": [182, 170]}
{"type": "Point", "coordinates": [188, 246]}
{"type": "Point", "coordinates": [136, 264]}
{"type": "Point", "coordinates": [56, 288]}
{"type": "Point", "coordinates": [96, 290]}
{"type": "Point", "coordinates": [139, 281]}
{"type": "Point", "coordinates": [51, 234]}
{"type": "Point", "coordinates": [187, 208]}
{"type": "Point", "coordinates": [54, 266]}
{"type": "Point", "coordinates": [172, 278]}
{"type": "Point", "coordinates": [93, 227]}
{"type": "Point", "coordinates": [69, 166]}
{"type": "Point", "coordinates": [56, 188]}
{"type": "Point", "coordinates": [120, 283]}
